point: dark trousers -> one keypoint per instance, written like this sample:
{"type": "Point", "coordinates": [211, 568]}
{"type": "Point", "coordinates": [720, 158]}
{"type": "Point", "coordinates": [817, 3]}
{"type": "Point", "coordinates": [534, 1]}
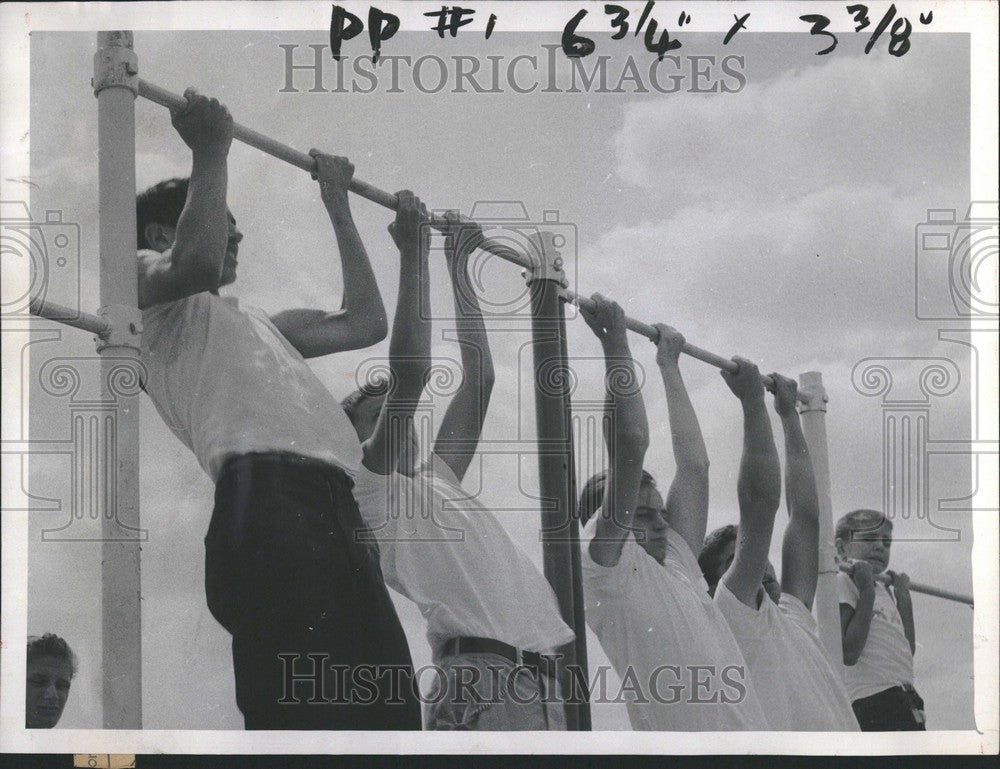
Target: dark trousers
{"type": "Point", "coordinates": [316, 640]}
{"type": "Point", "coordinates": [892, 710]}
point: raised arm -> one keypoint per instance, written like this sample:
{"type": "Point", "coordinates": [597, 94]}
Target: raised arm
{"type": "Point", "coordinates": [626, 432]}
{"type": "Point", "coordinates": [410, 344]}
{"type": "Point", "coordinates": [687, 500]}
{"type": "Point", "coordinates": [758, 487]}
{"type": "Point", "coordinates": [800, 546]}
{"type": "Point", "coordinates": [360, 322]}
{"type": "Point", "coordinates": [855, 621]}
{"type": "Point", "coordinates": [188, 258]}
{"type": "Point", "coordinates": [462, 424]}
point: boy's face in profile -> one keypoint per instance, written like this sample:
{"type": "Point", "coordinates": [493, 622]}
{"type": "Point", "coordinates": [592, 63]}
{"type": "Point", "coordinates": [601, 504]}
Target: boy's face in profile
{"type": "Point", "coordinates": [870, 545]}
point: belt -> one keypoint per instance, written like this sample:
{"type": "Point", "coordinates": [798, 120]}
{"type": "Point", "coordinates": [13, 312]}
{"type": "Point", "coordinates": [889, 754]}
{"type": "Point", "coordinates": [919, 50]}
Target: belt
{"type": "Point", "coordinates": [277, 459]}
{"type": "Point", "coordinates": [466, 645]}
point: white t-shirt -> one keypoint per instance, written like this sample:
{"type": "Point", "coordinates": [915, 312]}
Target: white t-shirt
{"type": "Point", "coordinates": [227, 382]}
{"type": "Point", "coordinates": [795, 682]}
{"type": "Point", "coordinates": [886, 661]}
{"type": "Point", "coordinates": [442, 549]}
{"type": "Point", "coordinates": [668, 641]}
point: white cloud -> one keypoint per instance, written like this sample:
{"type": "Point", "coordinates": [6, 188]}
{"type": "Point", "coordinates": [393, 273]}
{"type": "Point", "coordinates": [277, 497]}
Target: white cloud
{"type": "Point", "coordinates": [851, 121]}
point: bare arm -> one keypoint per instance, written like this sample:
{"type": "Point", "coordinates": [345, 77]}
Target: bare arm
{"type": "Point", "coordinates": [626, 432]}
{"type": "Point", "coordinates": [856, 622]}
{"type": "Point", "coordinates": [410, 344]}
{"type": "Point", "coordinates": [462, 424]}
{"type": "Point", "coordinates": [758, 487]}
{"type": "Point", "coordinates": [687, 500]}
{"type": "Point", "coordinates": [361, 320]}
{"type": "Point", "coordinates": [193, 261]}
{"type": "Point", "coordinates": [800, 546]}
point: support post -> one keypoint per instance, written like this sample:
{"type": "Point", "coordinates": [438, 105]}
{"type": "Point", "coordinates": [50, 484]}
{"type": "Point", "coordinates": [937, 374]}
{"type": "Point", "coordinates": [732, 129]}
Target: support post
{"type": "Point", "coordinates": [556, 469]}
{"type": "Point", "coordinates": [116, 86]}
{"type": "Point", "coordinates": [813, 411]}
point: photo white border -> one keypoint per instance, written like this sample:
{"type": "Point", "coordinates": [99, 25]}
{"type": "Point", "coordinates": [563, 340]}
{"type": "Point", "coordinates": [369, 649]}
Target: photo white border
{"type": "Point", "coordinates": [17, 20]}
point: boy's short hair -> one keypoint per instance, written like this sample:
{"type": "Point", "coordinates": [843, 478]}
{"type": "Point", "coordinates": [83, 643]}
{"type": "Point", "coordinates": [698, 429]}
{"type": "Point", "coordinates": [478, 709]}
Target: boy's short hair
{"type": "Point", "coordinates": [377, 388]}
{"type": "Point", "coordinates": [715, 542]}
{"type": "Point", "coordinates": [592, 496]}
{"type": "Point", "coordinates": [160, 204]}
{"type": "Point", "coordinates": [860, 520]}
{"type": "Point", "coordinates": [51, 645]}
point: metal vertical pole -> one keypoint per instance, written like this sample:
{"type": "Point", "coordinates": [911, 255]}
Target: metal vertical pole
{"type": "Point", "coordinates": [116, 86]}
{"type": "Point", "coordinates": [813, 411]}
{"type": "Point", "coordinates": [576, 568]}
{"type": "Point", "coordinates": [556, 467]}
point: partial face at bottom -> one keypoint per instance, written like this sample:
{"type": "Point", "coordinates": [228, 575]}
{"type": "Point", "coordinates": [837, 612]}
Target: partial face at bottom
{"type": "Point", "coordinates": [46, 691]}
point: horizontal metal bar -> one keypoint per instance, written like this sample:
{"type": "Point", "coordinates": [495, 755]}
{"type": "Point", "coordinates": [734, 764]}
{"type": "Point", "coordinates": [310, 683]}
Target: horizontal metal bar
{"type": "Point", "coordinates": [689, 349]}
{"type": "Point", "coordinates": [70, 317]}
{"type": "Point", "coordinates": [306, 162]}
{"type": "Point", "coordinates": [918, 587]}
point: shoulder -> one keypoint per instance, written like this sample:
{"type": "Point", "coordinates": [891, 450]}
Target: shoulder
{"type": "Point", "coordinates": [792, 608]}
{"type": "Point", "coordinates": [844, 582]}
{"type": "Point", "coordinates": [680, 556]}
{"type": "Point", "coordinates": [201, 302]}
{"type": "Point", "coordinates": [435, 468]}
{"type": "Point", "coordinates": [630, 562]}
{"type": "Point", "coordinates": [847, 591]}
{"type": "Point", "coordinates": [735, 611]}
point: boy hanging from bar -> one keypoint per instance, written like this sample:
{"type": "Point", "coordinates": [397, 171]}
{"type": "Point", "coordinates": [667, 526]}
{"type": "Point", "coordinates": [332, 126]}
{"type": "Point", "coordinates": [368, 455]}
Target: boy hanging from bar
{"type": "Point", "coordinates": [772, 621]}
{"type": "Point", "coordinates": [644, 593]}
{"type": "Point", "coordinates": [492, 619]}
{"type": "Point", "coordinates": [283, 572]}
{"type": "Point", "coordinates": [877, 630]}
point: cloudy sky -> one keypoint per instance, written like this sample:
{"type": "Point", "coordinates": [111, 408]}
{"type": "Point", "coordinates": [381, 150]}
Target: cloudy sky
{"type": "Point", "coordinates": [775, 223]}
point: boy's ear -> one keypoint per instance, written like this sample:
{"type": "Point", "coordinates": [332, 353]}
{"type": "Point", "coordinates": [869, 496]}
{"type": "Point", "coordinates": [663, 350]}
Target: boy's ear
{"type": "Point", "coordinates": [839, 544]}
{"type": "Point", "coordinates": [158, 236]}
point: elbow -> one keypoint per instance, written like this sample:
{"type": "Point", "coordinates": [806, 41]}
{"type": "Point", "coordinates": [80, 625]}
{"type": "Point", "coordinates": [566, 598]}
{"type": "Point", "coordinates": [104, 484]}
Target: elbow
{"type": "Point", "coordinates": [368, 331]}
{"type": "Point", "coordinates": [758, 502]}
{"type": "Point", "coordinates": [201, 276]}
{"type": "Point", "coordinates": [374, 331]}
{"type": "Point", "coordinates": [197, 272]}
{"type": "Point", "coordinates": [632, 443]}
{"type": "Point", "coordinates": [851, 652]}
{"type": "Point", "coordinates": [697, 465]}
{"type": "Point", "coordinates": [488, 379]}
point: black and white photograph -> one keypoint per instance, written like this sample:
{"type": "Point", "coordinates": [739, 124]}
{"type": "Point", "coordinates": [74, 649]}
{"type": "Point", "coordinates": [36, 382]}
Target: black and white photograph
{"type": "Point", "coordinates": [543, 367]}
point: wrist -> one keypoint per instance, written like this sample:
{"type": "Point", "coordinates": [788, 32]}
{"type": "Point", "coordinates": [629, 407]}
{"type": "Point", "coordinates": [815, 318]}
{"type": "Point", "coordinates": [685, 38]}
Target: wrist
{"type": "Point", "coordinates": [211, 153]}
{"type": "Point", "coordinates": [615, 341]}
{"type": "Point", "coordinates": [669, 367]}
{"type": "Point", "coordinates": [338, 206]}
{"type": "Point", "coordinates": [752, 401]}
